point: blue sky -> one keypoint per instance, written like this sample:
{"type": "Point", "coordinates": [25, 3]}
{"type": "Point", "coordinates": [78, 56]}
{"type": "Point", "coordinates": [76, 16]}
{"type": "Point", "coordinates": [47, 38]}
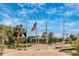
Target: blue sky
{"type": "Point", "coordinates": [12, 14]}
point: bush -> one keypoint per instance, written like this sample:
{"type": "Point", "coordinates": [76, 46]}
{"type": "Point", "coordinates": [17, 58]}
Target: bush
{"type": "Point", "coordinates": [55, 40]}
{"type": "Point", "coordinates": [10, 46]}
{"type": "Point", "coordinates": [11, 41]}
{"type": "Point", "coordinates": [24, 45]}
{"type": "Point", "coordinates": [75, 44]}
{"type": "Point", "coordinates": [22, 40]}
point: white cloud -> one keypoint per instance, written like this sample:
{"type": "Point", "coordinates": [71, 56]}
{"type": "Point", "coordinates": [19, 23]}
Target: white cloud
{"type": "Point", "coordinates": [11, 22]}
{"type": "Point", "coordinates": [7, 22]}
{"type": "Point", "coordinates": [74, 30]}
{"type": "Point", "coordinates": [5, 15]}
{"type": "Point", "coordinates": [34, 6]}
{"type": "Point", "coordinates": [69, 24]}
{"type": "Point", "coordinates": [68, 13]}
{"type": "Point", "coordinates": [42, 21]}
{"type": "Point", "coordinates": [21, 5]}
{"type": "Point", "coordinates": [40, 33]}
{"type": "Point", "coordinates": [58, 35]}
{"type": "Point", "coordinates": [51, 11]}
{"type": "Point", "coordinates": [74, 7]}
{"type": "Point", "coordinates": [72, 27]}
{"type": "Point", "coordinates": [17, 21]}
{"type": "Point", "coordinates": [22, 12]}
{"type": "Point", "coordinates": [61, 7]}
{"type": "Point", "coordinates": [31, 4]}
{"type": "Point", "coordinates": [7, 10]}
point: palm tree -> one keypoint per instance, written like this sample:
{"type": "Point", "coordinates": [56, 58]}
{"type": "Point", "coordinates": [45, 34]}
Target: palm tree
{"type": "Point", "coordinates": [18, 31]}
{"type": "Point", "coordinates": [72, 37]}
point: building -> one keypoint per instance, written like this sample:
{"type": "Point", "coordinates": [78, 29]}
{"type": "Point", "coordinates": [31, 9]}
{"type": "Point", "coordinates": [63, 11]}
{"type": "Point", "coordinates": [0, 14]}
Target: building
{"type": "Point", "coordinates": [40, 39]}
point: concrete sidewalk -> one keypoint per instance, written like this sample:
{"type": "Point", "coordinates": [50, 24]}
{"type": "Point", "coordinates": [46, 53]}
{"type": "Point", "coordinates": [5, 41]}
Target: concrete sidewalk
{"type": "Point", "coordinates": [35, 50]}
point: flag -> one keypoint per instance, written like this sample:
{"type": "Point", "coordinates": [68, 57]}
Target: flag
{"type": "Point", "coordinates": [24, 34]}
{"type": "Point", "coordinates": [34, 27]}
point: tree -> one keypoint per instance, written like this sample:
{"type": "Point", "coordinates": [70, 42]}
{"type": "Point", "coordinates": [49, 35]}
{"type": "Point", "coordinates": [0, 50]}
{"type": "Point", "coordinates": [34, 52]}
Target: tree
{"type": "Point", "coordinates": [75, 44]}
{"type": "Point", "coordinates": [18, 31]}
{"type": "Point", "coordinates": [3, 36]}
{"type": "Point", "coordinates": [50, 37]}
{"type": "Point", "coordinates": [73, 37]}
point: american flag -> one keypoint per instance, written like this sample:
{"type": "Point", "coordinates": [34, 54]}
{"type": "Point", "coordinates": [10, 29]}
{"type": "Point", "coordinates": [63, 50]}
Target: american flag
{"type": "Point", "coordinates": [34, 27]}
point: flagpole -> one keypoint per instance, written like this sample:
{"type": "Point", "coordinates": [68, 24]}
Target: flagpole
{"type": "Point", "coordinates": [46, 32]}
{"type": "Point", "coordinates": [36, 33]}
{"type": "Point", "coordinates": [26, 30]}
{"type": "Point", "coordinates": [63, 30]}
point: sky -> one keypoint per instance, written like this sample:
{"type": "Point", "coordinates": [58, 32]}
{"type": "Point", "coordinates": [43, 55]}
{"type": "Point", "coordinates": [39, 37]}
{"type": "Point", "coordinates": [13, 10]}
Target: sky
{"type": "Point", "coordinates": [12, 14]}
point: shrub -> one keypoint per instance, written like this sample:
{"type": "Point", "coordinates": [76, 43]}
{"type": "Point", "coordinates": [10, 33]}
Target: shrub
{"type": "Point", "coordinates": [10, 46]}
{"type": "Point", "coordinates": [24, 45]}
{"type": "Point", "coordinates": [75, 44]}
{"type": "Point", "coordinates": [22, 40]}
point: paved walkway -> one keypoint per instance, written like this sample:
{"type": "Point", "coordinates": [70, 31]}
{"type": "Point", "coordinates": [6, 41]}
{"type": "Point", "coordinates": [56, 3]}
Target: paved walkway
{"type": "Point", "coordinates": [35, 50]}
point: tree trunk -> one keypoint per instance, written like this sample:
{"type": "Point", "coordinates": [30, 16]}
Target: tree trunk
{"type": "Point", "coordinates": [17, 39]}
{"type": "Point", "coordinates": [16, 45]}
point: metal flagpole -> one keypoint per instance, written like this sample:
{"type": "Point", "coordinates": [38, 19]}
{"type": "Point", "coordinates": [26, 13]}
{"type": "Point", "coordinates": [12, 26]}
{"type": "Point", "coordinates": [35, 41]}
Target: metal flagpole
{"type": "Point", "coordinates": [63, 30]}
{"type": "Point", "coordinates": [26, 32]}
{"type": "Point", "coordinates": [36, 34]}
{"type": "Point", "coordinates": [36, 31]}
{"type": "Point", "coordinates": [46, 32]}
